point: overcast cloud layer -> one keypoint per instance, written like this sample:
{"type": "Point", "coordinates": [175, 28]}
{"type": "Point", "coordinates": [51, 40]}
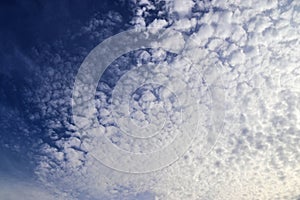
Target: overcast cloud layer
{"type": "Point", "coordinates": [246, 54]}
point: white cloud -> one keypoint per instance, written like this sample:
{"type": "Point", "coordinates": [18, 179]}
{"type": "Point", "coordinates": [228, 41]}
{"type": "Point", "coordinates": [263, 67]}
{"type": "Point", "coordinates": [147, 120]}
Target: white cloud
{"type": "Point", "coordinates": [16, 189]}
{"type": "Point", "coordinates": [183, 7]}
{"type": "Point", "coordinates": [257, 154]}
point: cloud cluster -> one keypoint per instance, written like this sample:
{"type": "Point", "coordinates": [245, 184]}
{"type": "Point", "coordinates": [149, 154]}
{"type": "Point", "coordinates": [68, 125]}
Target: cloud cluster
{"type": "Point", "coordinates": [246, 50]}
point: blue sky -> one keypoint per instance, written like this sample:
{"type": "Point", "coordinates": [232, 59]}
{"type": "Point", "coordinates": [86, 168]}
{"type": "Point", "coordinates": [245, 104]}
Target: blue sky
{"type": "Point", "coordinates": [26, 27]}
{"type": "Point", "coordinates": [224, 72]}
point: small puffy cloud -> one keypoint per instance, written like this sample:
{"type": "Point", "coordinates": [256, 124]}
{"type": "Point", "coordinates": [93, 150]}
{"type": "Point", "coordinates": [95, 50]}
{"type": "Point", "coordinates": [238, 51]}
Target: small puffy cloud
{"type": "Point", "coordinates": [183, 7]}
{"type": "Point", "coordinates": [257, 46]}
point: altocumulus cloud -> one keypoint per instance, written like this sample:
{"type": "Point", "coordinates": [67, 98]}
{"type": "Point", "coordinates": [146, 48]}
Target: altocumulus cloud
{"type": "Point", "coordinates": [256, 43]}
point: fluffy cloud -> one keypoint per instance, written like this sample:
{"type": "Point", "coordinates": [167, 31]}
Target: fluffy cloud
{"type": "Point", "coordinates": [246, 50]}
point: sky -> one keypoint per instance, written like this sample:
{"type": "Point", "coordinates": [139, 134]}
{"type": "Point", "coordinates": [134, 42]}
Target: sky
{"type": "Point", "coordinates": [149, 99]}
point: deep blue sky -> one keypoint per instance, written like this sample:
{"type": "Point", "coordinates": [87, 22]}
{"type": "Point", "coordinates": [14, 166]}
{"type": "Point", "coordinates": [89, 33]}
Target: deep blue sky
{"type": "Point", "coordinates": [26, 21]}
{"type": "Point", "coordinates": [25, 25]}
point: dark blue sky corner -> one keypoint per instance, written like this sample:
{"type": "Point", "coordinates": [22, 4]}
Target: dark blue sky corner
{"type": "Point", "coordinates": [42, 45]}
